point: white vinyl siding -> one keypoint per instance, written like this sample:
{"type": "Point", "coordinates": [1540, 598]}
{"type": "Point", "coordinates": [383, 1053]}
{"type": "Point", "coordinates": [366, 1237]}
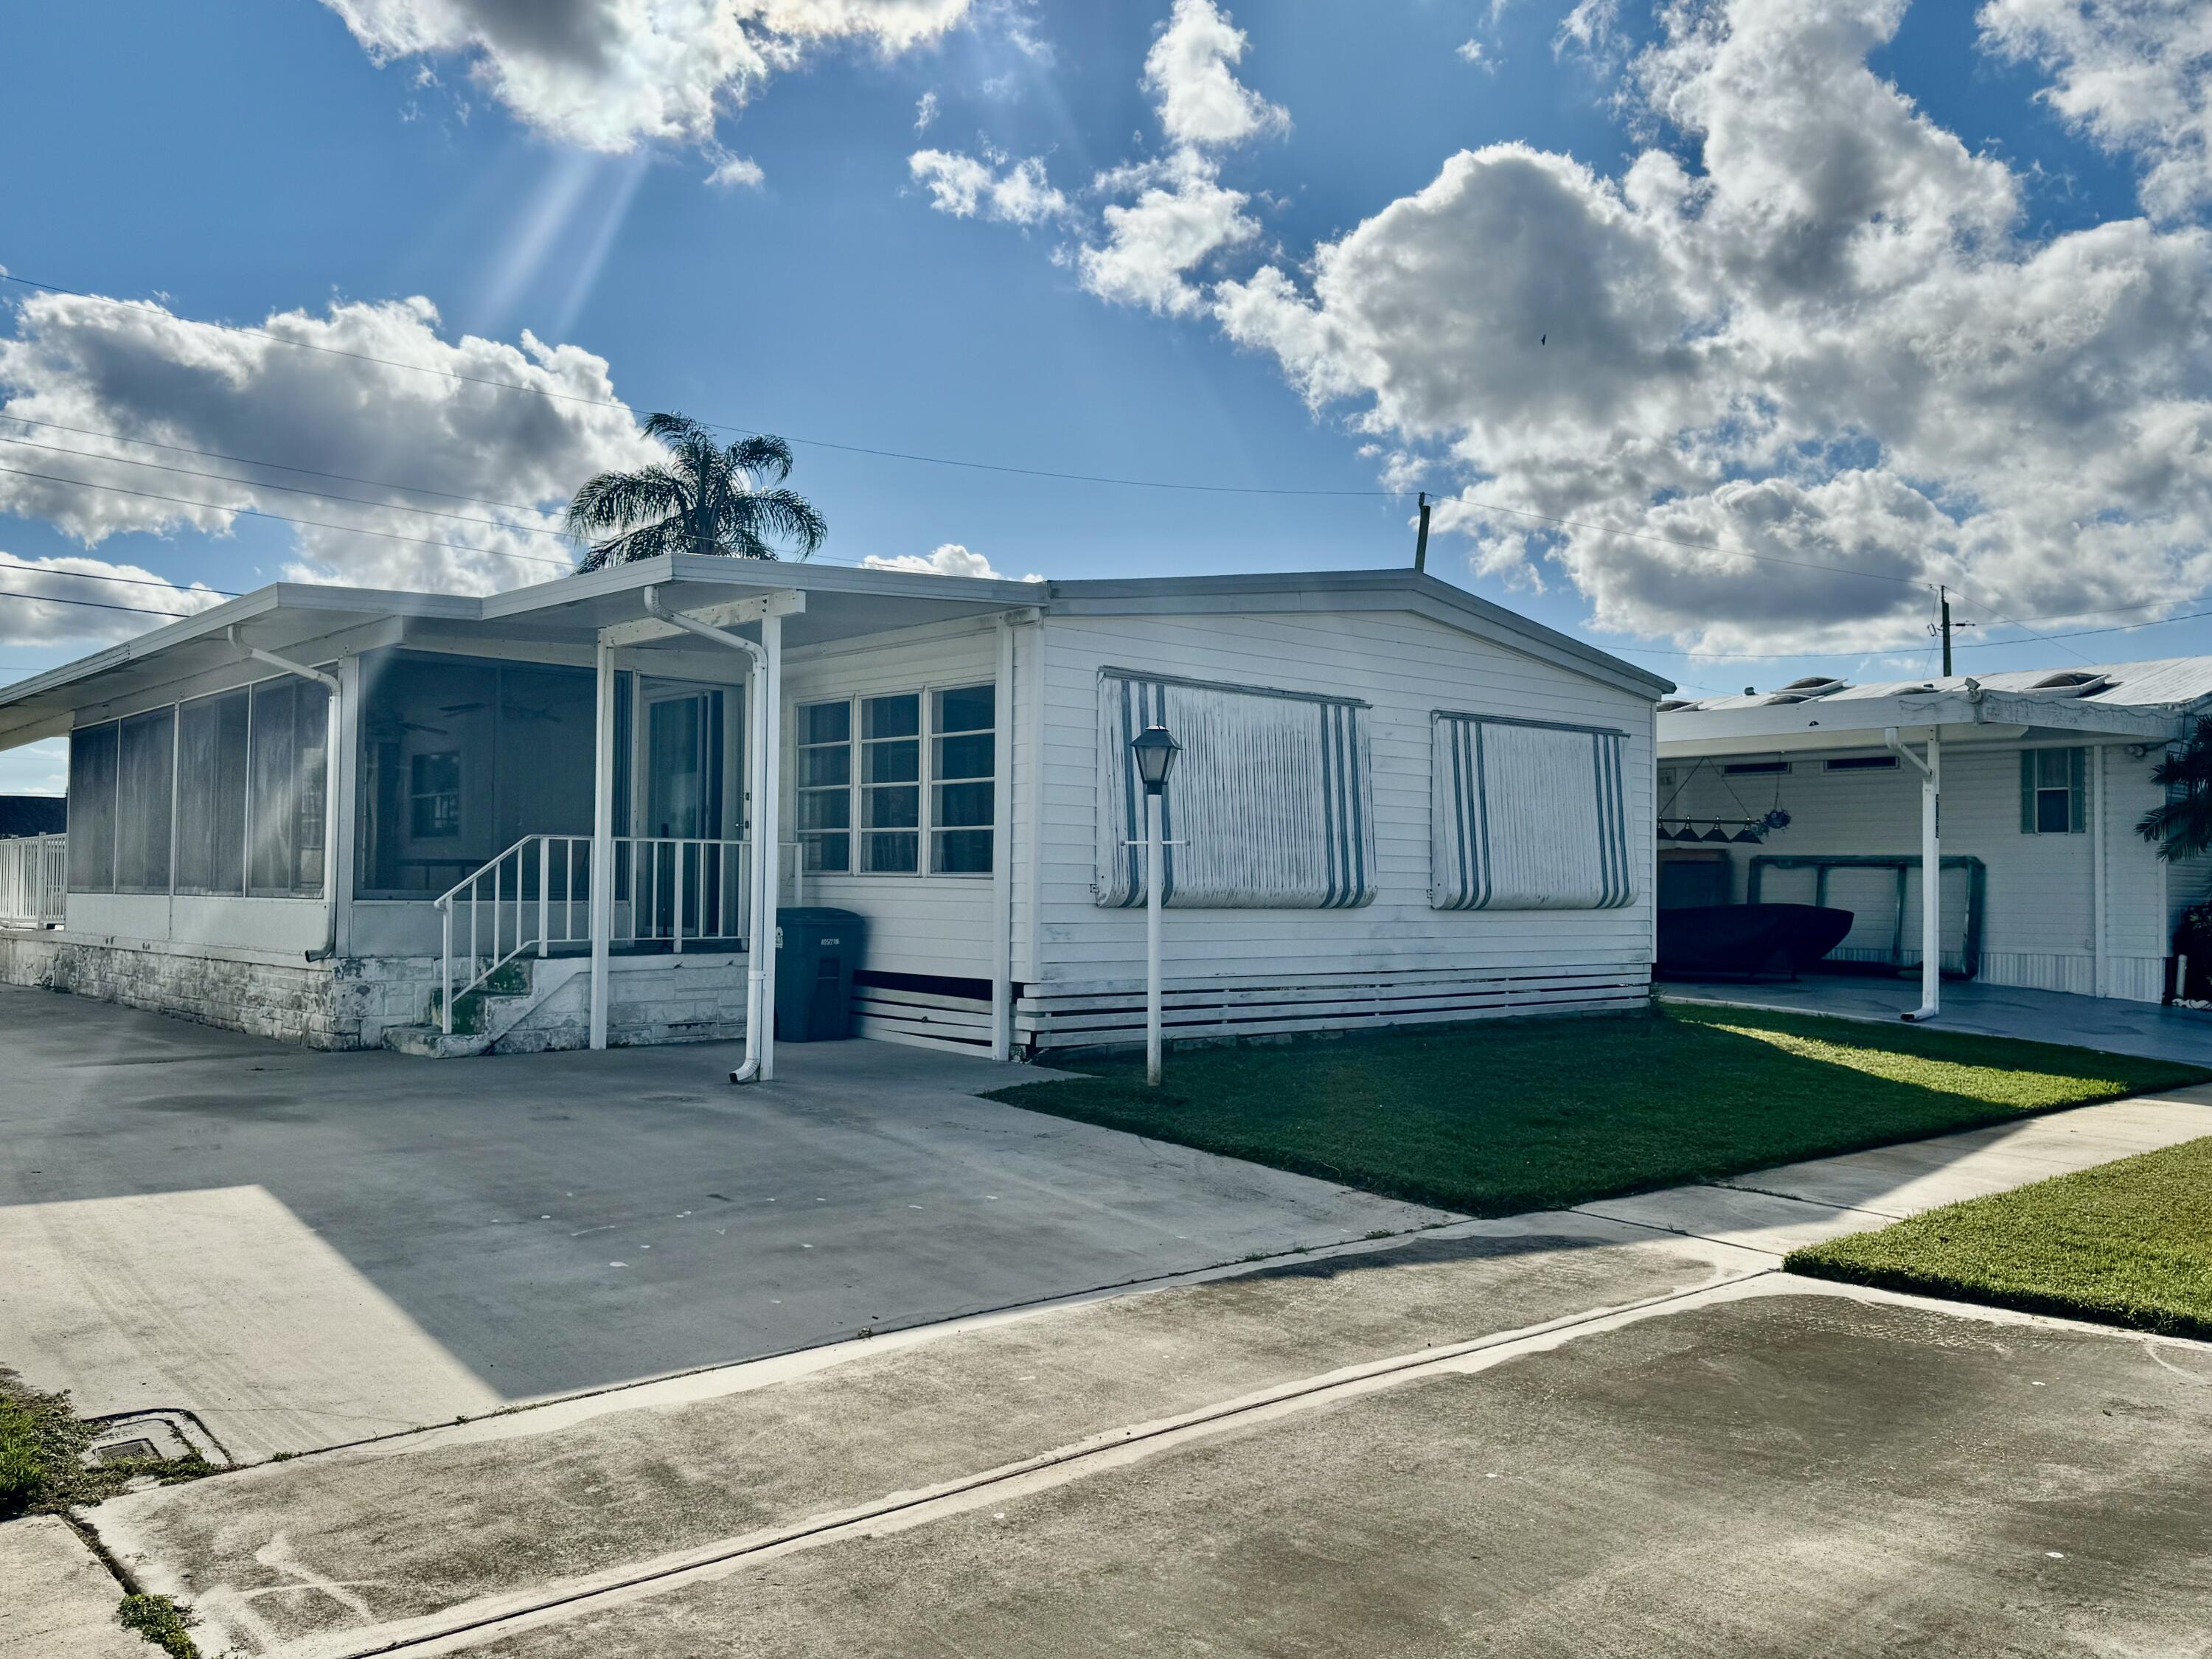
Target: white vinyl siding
{"type": "Point", "coordinates": [1403, 666]}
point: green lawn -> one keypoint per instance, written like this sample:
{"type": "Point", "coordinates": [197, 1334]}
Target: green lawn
{"type": "Point", "coordinates": [2127, 1243]}
{"type": "Point", "coordinates": [1497, 1117]}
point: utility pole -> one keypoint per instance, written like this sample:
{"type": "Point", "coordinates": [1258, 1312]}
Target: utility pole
{"type": "Point", "coordinates": [1421, 541]}
{"type": "Point", "coordinates": [1943, 629]}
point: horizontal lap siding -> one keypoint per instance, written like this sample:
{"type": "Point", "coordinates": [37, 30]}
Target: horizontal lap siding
{"type": "Point", "coordinates": [2038, 916]}
{"type": "Point", "coordinates": [937, 925]}
{"type": "Point", "coordinates": [1405, 667]}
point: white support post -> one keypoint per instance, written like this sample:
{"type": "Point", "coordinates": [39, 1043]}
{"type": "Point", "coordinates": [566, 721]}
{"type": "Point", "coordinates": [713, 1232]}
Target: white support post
{"type": "Point", "coordinates": [602, 874]}
{"type": "Point", "coordinates": [1931, 871]}
{"type": "Point", "coordinates": [1002, 862]}
{"type": "Point", "coordinates": [2100, 959]}
{"type": "Point", "coordinates": [1152, 861]}
{"type": "Point", "coordinates": [767, 833]}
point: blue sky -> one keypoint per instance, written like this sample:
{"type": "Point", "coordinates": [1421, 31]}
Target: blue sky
{"type": "Point", "coordinates": [1785, 262]}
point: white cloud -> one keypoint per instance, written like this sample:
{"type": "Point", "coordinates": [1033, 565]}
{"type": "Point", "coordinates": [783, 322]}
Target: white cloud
{"type": "Point", "coordinates": [1471, 52]}
{"type": "Point", "coordinates": [140, 372]}
{"type": "Point", "coordinates": [925, 111]}
{"type": "Point", "coordinates": [1178, 220]}
{"type": "Point", "coordinates": [950, 559]}
{"type": "Point", "coordinates": [2135, 75]}
{"type": "Point", "coordinates": [993, 186]}
{"type": "Point", "coordinates": [1830, 345]}
{"type": "Point", "coordinates": [734, 172]}
{"type": "Point", "coordinates": [607, 75]}
{"type": "Point", "coordinates": [49, 604]}
{"type": "Point", "coordinates": [1190, 71]}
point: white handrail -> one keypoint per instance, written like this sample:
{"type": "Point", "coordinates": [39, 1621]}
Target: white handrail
{"type": "Point", "coordinates": [677, 887]}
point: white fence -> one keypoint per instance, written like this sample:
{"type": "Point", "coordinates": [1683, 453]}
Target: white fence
{"type": "Point", "coordinates": [33, 880]}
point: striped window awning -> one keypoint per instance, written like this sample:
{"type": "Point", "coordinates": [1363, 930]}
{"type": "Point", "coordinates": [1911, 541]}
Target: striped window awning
{"type": "Point", "coordinates": [1271, 805]}
{"type": "Point", "coordinates": [1527, 816]}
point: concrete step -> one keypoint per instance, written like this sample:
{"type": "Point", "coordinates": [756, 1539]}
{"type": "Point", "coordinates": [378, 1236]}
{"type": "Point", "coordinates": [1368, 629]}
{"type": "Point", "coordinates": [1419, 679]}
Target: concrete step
{"type": "Point", "coordinates": [431, 1042]}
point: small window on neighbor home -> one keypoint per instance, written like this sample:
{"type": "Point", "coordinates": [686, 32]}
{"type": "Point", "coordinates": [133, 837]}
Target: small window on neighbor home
{"type": "Point", "coordinates": [434, 795]}
{"type": "Point", "coordinates": [1863, 763]}
{"type": "Point", "coordinates": [2053, 791]}
{"type": "Point", "coordinates": [1754, 768]}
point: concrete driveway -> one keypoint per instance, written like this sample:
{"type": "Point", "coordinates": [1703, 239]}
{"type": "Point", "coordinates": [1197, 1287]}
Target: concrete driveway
{"type": "Point", "coordinates": [307, 1250]}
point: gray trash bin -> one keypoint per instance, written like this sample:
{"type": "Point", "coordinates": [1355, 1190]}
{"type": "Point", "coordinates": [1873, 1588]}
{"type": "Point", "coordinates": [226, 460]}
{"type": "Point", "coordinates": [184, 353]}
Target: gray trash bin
{"type": "Point", "coordinates": [817, 952]}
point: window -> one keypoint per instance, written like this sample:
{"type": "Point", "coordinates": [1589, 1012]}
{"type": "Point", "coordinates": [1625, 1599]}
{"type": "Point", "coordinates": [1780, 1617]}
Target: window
{"type": "Point", "coordinates": [1528, 816]}
{"type": "Point", "coordinates": [1755, 769]}
{"type": "Point", "coordinates": [434, 795]}
{"type": "Point", "coordinates": [284, 767]}
{"type": "Point", "coordinates": [92, 809]}
{"type": "Point", "coordinates": [963, 756]}
{"type": "Point", "coordinates": [1862, 763]}
{"type": "Point", "coordinates": [145, 787]}
{"type": "Point", "coordinates": [825, 786]}
{"type": "Point", "coordinates": [860, 777]}
{"type": "Point", "coordinates": [890, 784]}
{"type": "Point", "coordinates": [2053, 791]}
{"type": "Point", "coordinates": [211, 739]}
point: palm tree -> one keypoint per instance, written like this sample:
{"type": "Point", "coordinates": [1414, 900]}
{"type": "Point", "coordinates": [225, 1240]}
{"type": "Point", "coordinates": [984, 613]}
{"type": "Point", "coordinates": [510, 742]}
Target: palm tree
{"type": "Point", "coordinates": [2182, 826]}
{"type": "Point", "coordinates": [707, 499]}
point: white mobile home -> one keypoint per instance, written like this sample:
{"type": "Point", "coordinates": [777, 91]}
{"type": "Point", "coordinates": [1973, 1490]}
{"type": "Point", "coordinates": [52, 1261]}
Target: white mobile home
{"type": "Point", "coordinates": [2027, 785]}
{"type": "Point", "coordinates": [311, 810]}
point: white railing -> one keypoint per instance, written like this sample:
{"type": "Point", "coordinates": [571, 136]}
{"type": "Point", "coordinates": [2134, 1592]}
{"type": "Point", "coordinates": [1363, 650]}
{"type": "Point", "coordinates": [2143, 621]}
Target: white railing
{"type": "Point", "coordinates": [33, 880]}
{"type": "Point", "coordinates": [538, 895]}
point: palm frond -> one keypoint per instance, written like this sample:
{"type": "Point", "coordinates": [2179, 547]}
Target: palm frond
{"type": "Point", "coordinates": [763, 457]}
{"type": "Point", "coordinates": [2181, 826]}
{"type": "Point", "coordinates": [647, 542]}
{"type": "Point", "coordinates": [783, 515]}
{"type": "Point", "coordinates": [616, 500]}
{"type": "Point", "coordinates": [672, 428]}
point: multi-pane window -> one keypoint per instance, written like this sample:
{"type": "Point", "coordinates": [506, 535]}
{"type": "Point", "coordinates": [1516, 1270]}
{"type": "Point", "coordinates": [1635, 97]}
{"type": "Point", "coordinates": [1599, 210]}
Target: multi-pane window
{"type": "Point", "coordinates": [146, 780]}
{"type": "Point", "coordinates": [962, 760]}
{"type": "Point", "coordinates": [2052, 791]}
{"type": "Point", "coordinates": [211, 739]}
{"type": "Point", "coordinates": [875, 770]}
{"type": "Point", "coordinates": [825, 786]}
{"type": "Point", "coordinates": [890, 784]}
{"type": "Point", "coordinates": [434, 795]}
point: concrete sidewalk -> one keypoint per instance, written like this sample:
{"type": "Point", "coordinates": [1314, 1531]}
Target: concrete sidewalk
{"type": "Point", "coordinates": [1775, 1211]}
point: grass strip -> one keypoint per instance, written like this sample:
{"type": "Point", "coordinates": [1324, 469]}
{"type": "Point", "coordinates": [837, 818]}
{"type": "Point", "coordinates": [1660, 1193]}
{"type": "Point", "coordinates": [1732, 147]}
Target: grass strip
{"type": "Point", "coordinates": [1497, 1117]}
{"type": "Point", "coordinates": [2124, 1244]}
{"type": "Point", "coordinates": [42, 1447]}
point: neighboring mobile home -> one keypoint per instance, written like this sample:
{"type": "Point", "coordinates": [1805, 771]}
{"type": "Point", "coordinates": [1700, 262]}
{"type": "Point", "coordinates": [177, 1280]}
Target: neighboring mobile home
{"type": "Point", "coordinates": [1396, 802]}
{"type": "Point", "coordinates": [2042, 777]}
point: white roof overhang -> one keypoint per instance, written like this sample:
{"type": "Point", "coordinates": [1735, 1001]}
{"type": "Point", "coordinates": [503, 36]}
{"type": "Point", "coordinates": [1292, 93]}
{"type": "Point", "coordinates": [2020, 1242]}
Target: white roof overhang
{"type": "Point", "coordinates": [1859, 723]}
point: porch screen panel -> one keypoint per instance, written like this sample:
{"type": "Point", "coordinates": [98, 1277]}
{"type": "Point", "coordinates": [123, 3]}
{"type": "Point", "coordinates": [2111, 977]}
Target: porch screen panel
{"type": "Point", "coordinates": [285, 765]}
{"type": "Point", "coordinates": [145, 778]}
{"type": "Point", "coordinates": [1271, 803]}
{"type": "Point", "coordinates": [211, 794]}
{"type": "Point", "coordinates": [1528, 817]}
{"type": "Point", "coordinates": [92, 809]}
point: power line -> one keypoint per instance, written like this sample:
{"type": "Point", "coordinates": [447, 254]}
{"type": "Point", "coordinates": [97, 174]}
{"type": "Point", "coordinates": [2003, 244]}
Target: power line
{"type": "Point", "coordinates": [8, 565]}
{"type": "Point", "coordinates": [1903, 646]}
{"type": "Point", "coordinates": [94, 604]}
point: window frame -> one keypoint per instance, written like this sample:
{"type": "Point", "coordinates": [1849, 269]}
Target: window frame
{"type": "Point", "coordinates": [925, 828]}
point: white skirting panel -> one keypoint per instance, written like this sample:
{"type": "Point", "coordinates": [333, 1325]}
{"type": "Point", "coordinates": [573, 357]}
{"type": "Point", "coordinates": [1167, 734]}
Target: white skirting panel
{"type": "Point", "coordinates": [1099, 1015]}
{"type": "Point", "coordinates": [922, 1018]}
{"type": "Point", "coordinates": [2133, 979]}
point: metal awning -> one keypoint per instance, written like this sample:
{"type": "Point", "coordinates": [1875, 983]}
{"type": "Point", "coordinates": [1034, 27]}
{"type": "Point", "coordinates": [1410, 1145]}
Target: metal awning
{"type": "Point", "coordinates": [1962, 717]}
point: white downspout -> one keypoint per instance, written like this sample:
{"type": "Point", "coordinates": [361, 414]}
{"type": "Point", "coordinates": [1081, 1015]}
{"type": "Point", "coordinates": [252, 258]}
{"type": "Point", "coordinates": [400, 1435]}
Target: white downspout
{"type": "Point", "coordinates": [603, 838]}
{"type": "Point", "coordinates": [1931, 871]}
{"type": "Point", "coordinates": [330, 784]}
{"type": "Point", "coordinates": [1002, 873]}
{"type": "Point", "coordinates": [761, 876]}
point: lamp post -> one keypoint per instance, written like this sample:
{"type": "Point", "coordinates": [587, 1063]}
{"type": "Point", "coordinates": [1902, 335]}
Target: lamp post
{"type": "Point", "coordinates": [1155, 750]}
